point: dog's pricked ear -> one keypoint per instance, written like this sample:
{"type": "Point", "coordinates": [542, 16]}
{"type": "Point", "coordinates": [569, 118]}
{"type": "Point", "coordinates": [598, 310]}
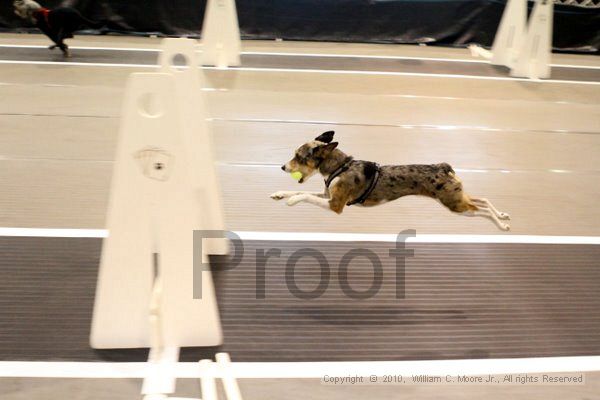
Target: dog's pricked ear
{"type": "Point", "coordinates": [325, 137]}
{"type": "Point", "coordinates": [326, 149]}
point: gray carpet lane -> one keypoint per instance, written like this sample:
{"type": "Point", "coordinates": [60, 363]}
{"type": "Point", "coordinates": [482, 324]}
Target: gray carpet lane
{"type": "Point", "coordinates": [459, 301]}
{"type": "Point", "coordinates": [322, 62]}
{"type": "Point", "coordinates": [86, 389]}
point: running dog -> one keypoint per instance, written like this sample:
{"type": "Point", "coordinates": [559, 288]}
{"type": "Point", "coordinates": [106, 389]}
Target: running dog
{"type": "Point", "coordinates": [365, 183]}
{"type": "Point", "coordinates": [58, 24]}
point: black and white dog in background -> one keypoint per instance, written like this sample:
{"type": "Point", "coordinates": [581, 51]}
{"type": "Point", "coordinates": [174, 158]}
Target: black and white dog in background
{"type": "Point", "coordinates": [58, 24]}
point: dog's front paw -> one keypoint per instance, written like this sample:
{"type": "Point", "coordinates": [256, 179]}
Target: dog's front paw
{"type": "Point", "coordinates": [292, 201]}
{"type": "Point", "coordinates": [278, 195]}
{"type": "Point", "coordinates": [504, 227]}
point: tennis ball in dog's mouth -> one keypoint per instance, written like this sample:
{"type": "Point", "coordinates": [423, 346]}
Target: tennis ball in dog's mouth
{"type": "Point", "coordinates": [296, 175]}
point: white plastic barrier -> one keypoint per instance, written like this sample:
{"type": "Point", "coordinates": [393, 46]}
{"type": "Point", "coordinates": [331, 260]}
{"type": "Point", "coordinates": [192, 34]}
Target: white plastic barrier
{"type": "Point", "coordinates": [525, 48]}
{"type": "Point", "coordinates": [511, 32]}
{"type": "Point", "coordinates": [221, 44]}
{"type": "Point", "coordinates": [164, 187]}
{"type": "Point", "coordinates": [536, 50]}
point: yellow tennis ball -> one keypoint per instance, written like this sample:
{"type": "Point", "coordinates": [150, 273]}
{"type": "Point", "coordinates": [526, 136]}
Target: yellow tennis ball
{"type": "Point", "coordinates": [296, 175]}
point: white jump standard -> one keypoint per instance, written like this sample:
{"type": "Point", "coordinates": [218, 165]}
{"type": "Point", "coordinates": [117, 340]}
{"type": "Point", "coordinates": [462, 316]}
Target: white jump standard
{"type": "Point", "coordinates": [221, 44]}
{"type": "Point", "coordinates": [524, 48]}
{"type": "Point", "coordinates": [164, 187]}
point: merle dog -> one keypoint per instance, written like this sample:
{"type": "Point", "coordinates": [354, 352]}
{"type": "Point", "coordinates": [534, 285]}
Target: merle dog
{"type": "Point", "coordinates": [364, 183]}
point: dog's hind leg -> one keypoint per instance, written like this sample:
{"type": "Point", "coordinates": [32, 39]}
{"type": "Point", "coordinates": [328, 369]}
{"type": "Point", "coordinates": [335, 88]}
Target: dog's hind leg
{"type": "Point", "coordinates": [464, 205]}
{"type": "Point", "coordinates": [487, 213]}
{"type": "Point", "coordinates": [65, 49]}
{"type": "Point", "coordinates": [488, 204]}
{"type": "Point", "coordinates": [60, 37]}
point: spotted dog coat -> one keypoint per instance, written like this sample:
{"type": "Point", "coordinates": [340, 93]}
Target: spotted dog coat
{"type": "Point", "coordinates": [367, 184]}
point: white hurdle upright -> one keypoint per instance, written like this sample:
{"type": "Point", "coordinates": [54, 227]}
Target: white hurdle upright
{"type": "Point", "coordinates": [536, 50]}
{"type": "Point", "coordinates": [509, 37]}
{"type": "Point", "coordinates": [164, 187]}
{"type": "Point", "coordinates": [523, 47]}
{"type": "Point", "coordinates": [189, 82]}
{"type": "Point", "coordinates": [221, 44]}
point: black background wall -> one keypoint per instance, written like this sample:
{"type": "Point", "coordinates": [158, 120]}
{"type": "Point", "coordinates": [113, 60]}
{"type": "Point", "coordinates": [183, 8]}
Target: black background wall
{"type": "Point", "coordinates": [447, 22]}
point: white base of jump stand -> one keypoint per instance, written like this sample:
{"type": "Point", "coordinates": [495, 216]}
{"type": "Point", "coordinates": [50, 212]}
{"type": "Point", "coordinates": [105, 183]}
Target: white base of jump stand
{"type": "Point", "coordinates": [160, 380]}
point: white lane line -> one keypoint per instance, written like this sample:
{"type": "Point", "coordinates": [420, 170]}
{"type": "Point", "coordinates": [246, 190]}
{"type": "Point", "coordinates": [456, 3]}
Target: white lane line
{"type": "Point", "coordinates": [37, 46]}
{"type": "Point", "coordinates": [311, 55]}
{"type": "Point", "coordinates": [328, 236]}
{"type": "Point", "coordinates": [278, 166]}
{"type": "Point", "coordinates": [368, 56]}
{"type": "Point", "coordinates": [417, 74]}
{"type": "Point", "coordinates": [468, 170]}
{"type": "Point", "coordinates": [372, 56]}
{"type": "Point", "coordinates": [427, 238]}
{"type": "Point", "coordinates": [315, 370]}
{"type": "Point", "coordinates": [317, 71]}
{"type": "Point", "coordinates": [54, 232]}
{"type": "Point", "coordinates": [402, 126]}
{"type": "Point", "coordinates": [79, 64]}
